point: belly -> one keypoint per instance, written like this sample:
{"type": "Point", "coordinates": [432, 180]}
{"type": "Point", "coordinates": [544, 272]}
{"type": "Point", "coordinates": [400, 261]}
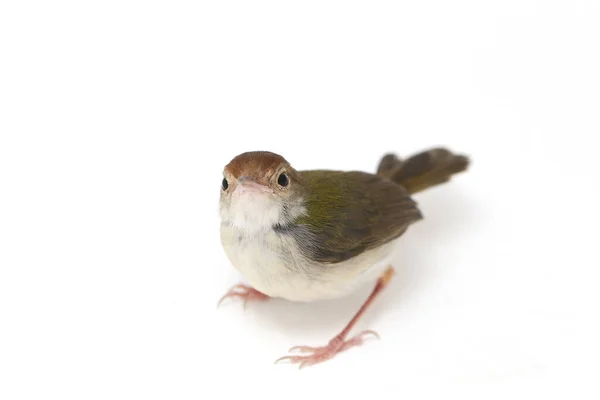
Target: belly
{"type": "Point", "coordinates": [272, 264]}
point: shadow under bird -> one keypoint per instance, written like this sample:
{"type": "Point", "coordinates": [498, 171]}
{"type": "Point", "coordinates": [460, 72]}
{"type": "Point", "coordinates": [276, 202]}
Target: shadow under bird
{"type": "Point", "coordinates": [321, 234]}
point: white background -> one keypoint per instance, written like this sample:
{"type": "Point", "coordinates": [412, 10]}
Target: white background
{"type": "Point", "coordinates": [117, 117]}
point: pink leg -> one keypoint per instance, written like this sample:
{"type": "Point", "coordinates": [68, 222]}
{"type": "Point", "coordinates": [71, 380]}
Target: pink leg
{"type": "Point", "coordinates": [340, 342]}
{"type": "Point", "coordinates": [244, 292]}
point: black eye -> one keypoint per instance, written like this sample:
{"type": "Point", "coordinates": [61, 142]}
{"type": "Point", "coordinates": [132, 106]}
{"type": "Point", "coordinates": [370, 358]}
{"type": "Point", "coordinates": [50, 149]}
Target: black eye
{"type": "Point", "coordinates": [283, 180]}
{"type": "Point", "coordinates": [224, 184]}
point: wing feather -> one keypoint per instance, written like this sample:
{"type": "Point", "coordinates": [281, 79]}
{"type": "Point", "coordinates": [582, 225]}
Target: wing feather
{"type": "Point", "coordinates": [350, 212]}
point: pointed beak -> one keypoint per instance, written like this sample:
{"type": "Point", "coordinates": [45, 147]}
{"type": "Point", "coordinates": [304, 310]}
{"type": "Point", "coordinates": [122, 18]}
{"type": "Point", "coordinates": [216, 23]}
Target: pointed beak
{"type": "Point", "coordinates": [249, 185]}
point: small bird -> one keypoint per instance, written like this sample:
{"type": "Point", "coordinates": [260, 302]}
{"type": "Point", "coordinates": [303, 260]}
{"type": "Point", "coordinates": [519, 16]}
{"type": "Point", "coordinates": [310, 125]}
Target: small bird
{"type": "Point", "coordinates": [321, 234]}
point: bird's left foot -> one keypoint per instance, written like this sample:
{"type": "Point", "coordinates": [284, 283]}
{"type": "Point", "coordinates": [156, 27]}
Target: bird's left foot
{"type": "Point", "coordinates": [324, 353]}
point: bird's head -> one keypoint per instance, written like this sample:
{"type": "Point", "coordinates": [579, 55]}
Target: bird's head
{"type": "Point", "coordinates": [259, 190]}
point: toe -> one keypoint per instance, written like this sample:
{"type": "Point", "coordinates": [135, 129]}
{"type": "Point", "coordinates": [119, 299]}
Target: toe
{"type": "Point", "coordinates": [302, 349]}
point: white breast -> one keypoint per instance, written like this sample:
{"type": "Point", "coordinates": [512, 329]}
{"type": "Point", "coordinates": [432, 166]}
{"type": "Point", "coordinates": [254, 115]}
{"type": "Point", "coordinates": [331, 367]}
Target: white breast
{"type": "Point", "coordinates": [272, 264]}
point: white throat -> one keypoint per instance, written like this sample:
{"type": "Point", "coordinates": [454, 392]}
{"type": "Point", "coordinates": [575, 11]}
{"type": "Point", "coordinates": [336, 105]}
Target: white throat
{"type": "Point", "coordinates": [252, 212]}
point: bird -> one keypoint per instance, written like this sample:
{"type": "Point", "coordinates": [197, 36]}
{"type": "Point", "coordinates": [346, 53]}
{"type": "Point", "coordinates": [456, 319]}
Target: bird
{"type": "Point", "coordinates": [320, 234]}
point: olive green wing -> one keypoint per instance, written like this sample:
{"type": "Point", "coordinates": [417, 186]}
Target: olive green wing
{"type": "Point", "coordinates": [350, 212]}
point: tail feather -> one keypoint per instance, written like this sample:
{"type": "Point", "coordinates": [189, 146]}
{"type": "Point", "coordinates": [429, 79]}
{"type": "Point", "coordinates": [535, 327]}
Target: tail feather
{"type": "Point", "coordinates": [422, 170]}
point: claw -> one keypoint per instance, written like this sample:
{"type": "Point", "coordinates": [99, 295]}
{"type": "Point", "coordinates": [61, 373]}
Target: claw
{"type": "Point", "coordinates": [306, 364]}
{"type": "Point", "coordinates": [375, 335]}
{"type": "Point", "coordinates": [280, 359]}
{"type": "Point", "coordinates": [222, 298]}
{"type": "Point", "coordinates": [231, 293]}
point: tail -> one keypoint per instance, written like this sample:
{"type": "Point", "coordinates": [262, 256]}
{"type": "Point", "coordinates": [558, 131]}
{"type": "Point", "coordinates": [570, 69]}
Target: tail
{"type": "Point", "coordinates": [422, 170]}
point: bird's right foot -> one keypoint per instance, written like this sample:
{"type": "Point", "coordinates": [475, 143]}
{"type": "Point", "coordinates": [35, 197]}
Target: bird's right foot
{"type": "Point", "coordinates": [245, 293]}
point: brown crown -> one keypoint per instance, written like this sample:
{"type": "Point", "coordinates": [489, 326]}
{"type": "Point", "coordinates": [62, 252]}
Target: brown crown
{"type": "Point", "coordinates": [255, 164]}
